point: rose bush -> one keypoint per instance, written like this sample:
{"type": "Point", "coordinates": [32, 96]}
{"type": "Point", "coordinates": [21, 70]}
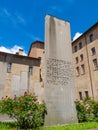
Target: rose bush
{"type": "Point", "coordinates": [26, 109]}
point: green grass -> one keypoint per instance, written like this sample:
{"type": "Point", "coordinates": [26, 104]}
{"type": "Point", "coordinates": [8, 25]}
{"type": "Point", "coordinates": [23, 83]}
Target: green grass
{"type": "Point", "coordinates": [82, 126]}
{"type": "Point", "coordinates": [7, 126]}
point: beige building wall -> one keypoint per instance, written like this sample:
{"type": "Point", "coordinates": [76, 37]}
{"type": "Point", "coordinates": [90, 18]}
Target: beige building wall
{"type": "Point", "coordinates": [82, 79]}
{"type": "Point", "coordinates": [86, 75]}
{"type": "Point", "coordinates": [17, 74]}
{"type": "Point", "coordinates": [37, 51]}
{"type": "Point", "coordinates": [16, 70]}
{"type": "Point", "coordinates": [93, 56]}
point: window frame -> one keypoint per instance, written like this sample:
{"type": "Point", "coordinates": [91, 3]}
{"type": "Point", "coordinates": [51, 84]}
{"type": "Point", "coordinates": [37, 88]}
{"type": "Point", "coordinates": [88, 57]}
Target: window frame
{"type": "Point", "coordinates": [76, 59]}
{"type": "Point", "coordinates": [81, 57]}
{"type": "Point", "coordinates": [86, 94]}
{"type": "Point", "coordinates": [80, 95]}
{"type": "Point", "coordinates": [91, 38]}
{"type": "Point", "coordinates": [77, 71]}
{"type": "Point", "coordinates": [95, 63]}
{"type": "Point", "coordinates": [30, 70]}
{"type": "Point", "coordinates": [93, 50]}
{"type": "Point", "coordinates": [75, 48]}
{"type": "Point", "coordinates": [83, 69]}
{"type": "Point", "coordinates": [80, 45]}
{"type": "Point", "coordinates": [9, 67]}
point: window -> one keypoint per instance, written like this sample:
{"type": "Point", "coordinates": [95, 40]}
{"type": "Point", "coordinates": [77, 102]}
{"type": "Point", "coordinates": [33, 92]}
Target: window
{"type": "Point", "coordinates": [93, 51]}
{"type": "Point", "coordinates": [86, 94]}
{"type": "Point", "coordinates": [83, 69]}
{"type": "Point", "coordinates": [80, 45]}
{"type": "Point", "coordinates": [38, 45]}
{"type": "Point", "coordinates": [40, 74]}
{"type": "Point", "coordinates": [95, 63]}
{"type": "Point", "coordinates": [81, 57]}
{"type": "Point", "coordinates": [75, 49]}
{"type": "Point", "coordinates": [91, 38]}
{"type": "Point", "coordinates": [80, 95]}
{"type": "Point", "coordinates": [30, 70]}
{"type": "Point", "coordinates": [77, 71]}
{"type": "Point", "coordinates": [77, 60]}
{"type": "Point", "coordinates": [9, 67]}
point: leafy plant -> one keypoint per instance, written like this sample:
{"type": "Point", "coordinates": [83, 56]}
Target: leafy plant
{"type": "Point", "coordinates": [26, 109]}
{"type": "Point", "coordinates": [81, 111]}
{"type": "Point", "coordinates": [87, 110]}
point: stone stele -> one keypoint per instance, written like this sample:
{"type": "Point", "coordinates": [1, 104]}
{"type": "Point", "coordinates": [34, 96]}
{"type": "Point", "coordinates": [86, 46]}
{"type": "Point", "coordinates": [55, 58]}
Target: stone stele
{"type": "Point", "coordinates": [59, 80]}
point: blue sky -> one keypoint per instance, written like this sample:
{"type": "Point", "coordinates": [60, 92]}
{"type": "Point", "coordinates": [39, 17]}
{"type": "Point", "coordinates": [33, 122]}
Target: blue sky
{"type": "Point", "coordinates": [22, 21]}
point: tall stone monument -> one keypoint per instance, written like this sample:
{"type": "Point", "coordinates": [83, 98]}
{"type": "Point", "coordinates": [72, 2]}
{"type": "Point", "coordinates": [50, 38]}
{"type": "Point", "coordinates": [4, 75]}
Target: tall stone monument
{"type": "Point", "coordinates": [59, 84]}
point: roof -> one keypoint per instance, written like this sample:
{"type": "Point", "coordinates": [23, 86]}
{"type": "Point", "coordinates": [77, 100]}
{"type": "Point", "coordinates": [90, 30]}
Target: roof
{"type": "Point", "coordinates": [20, 59]}
{"type": "Point", "coordinates": [36, 42]}
{"type": "Point", "coordinates": [96, 24]}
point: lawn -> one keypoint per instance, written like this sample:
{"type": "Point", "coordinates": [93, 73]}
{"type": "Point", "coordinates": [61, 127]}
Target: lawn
{"type": "Point", "coordinates": [82, 126]}
{"type": "Point", "coordinates": [7, 126]}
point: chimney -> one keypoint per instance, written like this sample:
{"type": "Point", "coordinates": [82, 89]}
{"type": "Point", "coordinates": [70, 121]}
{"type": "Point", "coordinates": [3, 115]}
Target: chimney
{"type": "Point", "coordinates": [20, 52]}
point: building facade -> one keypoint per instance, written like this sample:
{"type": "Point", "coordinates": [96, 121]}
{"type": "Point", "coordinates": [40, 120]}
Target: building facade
{"type": "Point", "coordinates": [17, 74]}
{"type": "Point", "coordinates": [26, 73]}
{"type": "Point", "coordinates": [37, 51]}
{"type": "Point", "coordinates": [85, 60]}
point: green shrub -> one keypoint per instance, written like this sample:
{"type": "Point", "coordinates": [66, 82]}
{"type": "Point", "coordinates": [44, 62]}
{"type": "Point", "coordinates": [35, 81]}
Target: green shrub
{"type": "Point", "coordinates": [26, 109]}
{"type": "Point", "coordinates": [87, 110]}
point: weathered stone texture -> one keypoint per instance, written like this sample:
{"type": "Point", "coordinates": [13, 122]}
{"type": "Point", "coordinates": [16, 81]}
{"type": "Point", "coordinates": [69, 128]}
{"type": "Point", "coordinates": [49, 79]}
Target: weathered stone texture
{"type": "Point", "coordinates": [59, 84]}
{"type": "Point", "coordinates": [15, 85]}
{"type": "Point", "coordinates": [3, 68]}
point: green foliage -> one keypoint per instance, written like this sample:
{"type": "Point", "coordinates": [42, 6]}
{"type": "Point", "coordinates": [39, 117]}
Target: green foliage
{"type": "Point", "coordinates": [28, 112]}
{"type": "Point", "coordinates": [7, 125]}
{"type": "Point", "coordinates": [87, 110]}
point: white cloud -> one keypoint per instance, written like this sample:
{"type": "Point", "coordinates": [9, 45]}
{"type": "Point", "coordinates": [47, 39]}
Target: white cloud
{"type": "Point", "coordinates": [5, 12]}
{"type": "Point", "coordinates": [14, 18]}
{"type": "Point", "coordinates": [78, 34]}
{"type": "Point", "coordinates": [12, 50]}
{"type": "Point", "coordinates": [21, 19]}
